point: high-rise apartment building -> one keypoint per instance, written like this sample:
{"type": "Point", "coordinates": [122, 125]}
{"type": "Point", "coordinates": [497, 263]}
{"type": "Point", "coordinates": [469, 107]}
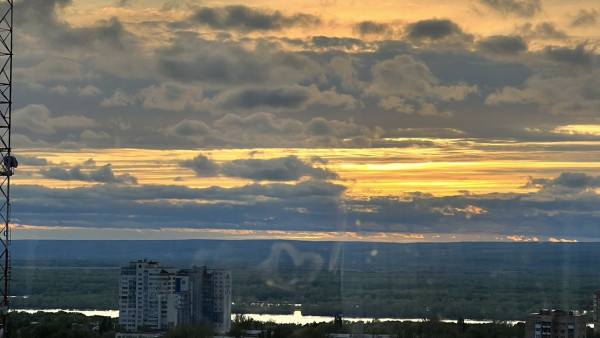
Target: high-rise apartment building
{"type": "Point", "coordinates": [155, 298]}
{"type": "Point", "coordinates": [556, 324]}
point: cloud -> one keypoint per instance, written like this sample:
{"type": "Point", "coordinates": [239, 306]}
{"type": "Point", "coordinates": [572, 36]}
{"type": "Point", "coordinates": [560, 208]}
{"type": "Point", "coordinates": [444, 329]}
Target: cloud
{"type": "Point", "coordinates": [260, 124]}
{"type": "Point", "coordinates": [311, 205]}
{"type": "Point", "coordinates": [570, 180]}
{"type": "Point", "coordinates": [249, 19]}
{"type": "Point", "coordinates": [521, 8]}
{"type": "Point", "coordinates": [337, 43]}
{"type": "Point", "coordinates": [289, 168]}
{"type": "Point", "coordinates": [89, 90]}
{"type": "Point", "coordinates": [119, 98]}
{"type": "Point", "coordinates": [103, 174]}
{"type": "Point", "coordinates": [101, 44]}
{"type": "Point", "coordinates": [124, 3]}
{"type": "Point", "coordinates": [341, 66]}
{"type": "Point", "coordinates": [62, 69]}
{"type": "Point", "coordinates": [171, 96]}
{"type": "Point", "coordinates": [542, 30]}
{"type": "Point", "coordinates": [255, 130]}
{"type": "Point", "coordinates": [365, 28]}
{"type": "Point", "coordinates": [521, 238]}
{"type": "Point", "coordinates": [38, 120]}
{"type": "Point", "coordinates": [319, 126]}
{"type": "Point", "coordinates": [94, 136]}
{"type": "Point", "coordinates": [270, 207]}
{"type": "Point", "coordinates": [202, 165]}
{"type": "Point", "coordinates": [60, 90]}
{"type": "Point", "coordinates": [188, 129]}
{"type": "Point", "coordinates": [278, 169]}
{"type": "Point", "coordinates": [32, 161]}
{"type": "Point", "coordinates": [584, 18]}
{"type": "Point", "coordinates": [40, 11]}
{"type": "Point", "coordinates": [41, 18]}
{"type": "Point", "coordinates": [264, 129]}
{"type": "Point", "coordinates": [229, 63]}
{"type": "Point", "coordinates": [281, 98]}
{"type": "Point", "coordinates": [502, 44]}
{"type": "Point", "coordinates": [562, 240]}
{"type": "Point", "coordinates": [435, 30]}
{"type": "Point", "coordinates": [575, 57]}
{"type": "Point", "coordinates": [572, 95]}
{"type": "Point", "coordinates": [288, 97]}
{"type": "Point", "coordinates": [409, 78]}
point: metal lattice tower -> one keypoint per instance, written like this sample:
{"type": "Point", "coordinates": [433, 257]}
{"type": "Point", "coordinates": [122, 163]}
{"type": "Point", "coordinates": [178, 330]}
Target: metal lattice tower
{"type": "Point", "coordinates": [7, 161]}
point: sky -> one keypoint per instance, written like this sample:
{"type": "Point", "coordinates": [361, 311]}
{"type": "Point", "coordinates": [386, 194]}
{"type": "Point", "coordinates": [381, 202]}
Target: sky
{"type": "Point", "coordinates": [391, 121]}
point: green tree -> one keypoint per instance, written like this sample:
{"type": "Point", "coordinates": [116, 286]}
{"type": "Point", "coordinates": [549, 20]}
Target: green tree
{"type": "Point", "coordinates": [199, 330]}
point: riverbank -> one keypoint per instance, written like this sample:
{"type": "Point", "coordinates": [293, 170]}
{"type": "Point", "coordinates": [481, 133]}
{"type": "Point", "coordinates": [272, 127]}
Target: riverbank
{"type": "Point", "coordinates": [296, 318]}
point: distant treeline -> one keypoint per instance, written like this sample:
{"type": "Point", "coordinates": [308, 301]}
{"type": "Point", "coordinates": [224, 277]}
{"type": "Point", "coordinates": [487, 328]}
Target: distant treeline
{"type": "Point", "coordinates": [498, 281]}
{"type": "Point", "coordinates": [60, 325]}
{"type": "Point", "coordinates": [74, 325]}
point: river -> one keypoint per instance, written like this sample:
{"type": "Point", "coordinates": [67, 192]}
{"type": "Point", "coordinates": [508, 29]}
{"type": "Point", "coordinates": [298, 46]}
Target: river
{"type": "Point", "coordinates": [296, 318]}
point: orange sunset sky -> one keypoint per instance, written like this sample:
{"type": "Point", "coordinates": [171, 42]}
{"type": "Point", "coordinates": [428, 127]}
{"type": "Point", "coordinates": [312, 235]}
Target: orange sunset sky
{"type": "Point", "coordinates": [395, 121]}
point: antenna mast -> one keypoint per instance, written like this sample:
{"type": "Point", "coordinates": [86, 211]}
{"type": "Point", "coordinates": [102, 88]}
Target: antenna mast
{"type": "Point", "coordinates": [7, 161]}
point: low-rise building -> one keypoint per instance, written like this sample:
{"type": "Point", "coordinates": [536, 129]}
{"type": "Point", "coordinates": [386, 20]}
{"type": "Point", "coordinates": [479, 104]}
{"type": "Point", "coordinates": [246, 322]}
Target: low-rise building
{"type": "Point", "coordinates": [556, 324]}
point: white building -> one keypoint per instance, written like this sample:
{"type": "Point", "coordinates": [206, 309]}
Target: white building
{"type": "Point", "coordinates": [154, 298]}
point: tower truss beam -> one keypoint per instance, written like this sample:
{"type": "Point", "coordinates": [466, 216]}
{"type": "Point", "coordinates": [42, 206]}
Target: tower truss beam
{"type": "Point", "coordinates": [7, 161]}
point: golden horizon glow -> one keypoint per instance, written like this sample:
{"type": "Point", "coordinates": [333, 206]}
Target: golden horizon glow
{"type": "Point", "coordinates": [33, 232]}
{"type": "Point", "coordinates": [364, 172]}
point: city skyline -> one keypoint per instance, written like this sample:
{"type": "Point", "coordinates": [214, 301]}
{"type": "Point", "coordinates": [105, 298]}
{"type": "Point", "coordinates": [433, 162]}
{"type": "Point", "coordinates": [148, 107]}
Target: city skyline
{"type": "Point", "coordinates": [316, 120]}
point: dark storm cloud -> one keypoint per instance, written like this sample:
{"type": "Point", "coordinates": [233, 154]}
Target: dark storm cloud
{"type": "Point", "coordinates": [278, 169]}
{"type": "Point", "coordinates": [213, 66]}
{"type": "Point", "coordinates": [577, 56]}
{"type": "Point", "coordinates": [585, 18]}
{"type": "Point", "coordinates": [42, 18]}
{"type": "Point", "coordinates": [191, 59]}
{"type": "Point", "coordinates": [100, 47]}
{"type": "Point", "coordinates": [522, 8]}
{"type": "Point", "coordinates": [502, 44]}
{"type": "Point", "coordinates": [103, 174]}
{"type": "Point", "coordinates": [282, 97]}
{"type": "Point", "coordinates": [575, 180]}
{"type": "Point", "coordinates": [202, 165]}
{"type": "Point", "coordinates": [109, 33]}
{"type": "Point", "coordinates": [289, 168]}
{"type": "Point", "coordinates": [249, 19]}
{"type": "Point", "coordinates": [569, 180]}
{"type": "Point", "coordinates": [308, 205]}
{"type": "Point", "coordinates": [42, 12]}
{"type": "Point", "coordinates": [371, 28]}
{"type": "Point", "coordinates": [435, 29]}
